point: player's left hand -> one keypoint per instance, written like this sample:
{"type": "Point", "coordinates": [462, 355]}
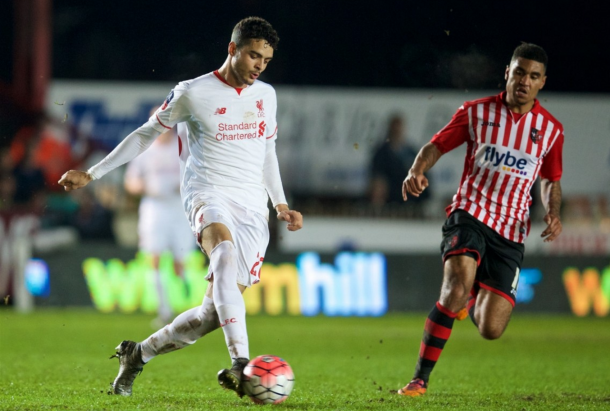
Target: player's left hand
{"type": "Point", "coordinates": [553, 228]}
{"type": "Point", "coordinates": [293, 217]}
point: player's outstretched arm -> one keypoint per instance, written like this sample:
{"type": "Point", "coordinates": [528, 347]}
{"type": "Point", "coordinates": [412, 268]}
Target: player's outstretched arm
{"type": "Point", "coordinates": [134, 144]}
{"type": "Point", "coordinates": [416, 182]}
{"type": "Point", "coordinates": [75, 179]}
{"type": "Point", "coordinates": [293, 217]}
{"type": "Point", "coordinates": [551, 200]}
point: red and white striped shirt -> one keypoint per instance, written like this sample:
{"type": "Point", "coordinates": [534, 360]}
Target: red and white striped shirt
{"type": "Point", "coordinates": [505, 154]}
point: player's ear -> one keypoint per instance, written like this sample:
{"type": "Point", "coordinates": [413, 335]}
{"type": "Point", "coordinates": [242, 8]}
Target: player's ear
{"type": "Point", "coordinates": [232, 48]}
{"type": "Point", "coordinates": [506, 72]}
{"type": "Point", "coordinates": [543, 82]}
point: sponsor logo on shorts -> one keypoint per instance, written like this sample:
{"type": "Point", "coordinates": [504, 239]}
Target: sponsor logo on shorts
{"type": "Point", "coordinates": [454, 241]}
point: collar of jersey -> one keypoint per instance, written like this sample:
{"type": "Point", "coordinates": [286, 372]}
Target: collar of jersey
{"type": "Point", "coordinates": [221, 78]}
{"type": "Point", "coordinates": [501, 98]}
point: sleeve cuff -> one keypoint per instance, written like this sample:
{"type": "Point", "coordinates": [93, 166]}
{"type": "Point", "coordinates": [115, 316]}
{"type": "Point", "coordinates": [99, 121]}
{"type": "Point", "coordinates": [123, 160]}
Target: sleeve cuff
{"type": "Point", "coordinates": [92, 174]}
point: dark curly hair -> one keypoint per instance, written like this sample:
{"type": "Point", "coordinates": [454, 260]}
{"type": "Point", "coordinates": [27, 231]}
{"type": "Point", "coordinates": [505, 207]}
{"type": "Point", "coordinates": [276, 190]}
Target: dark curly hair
{"type": "Point", "coordinates": [531, 52]}
{"type": "Point", "coordinates": [254, 28]}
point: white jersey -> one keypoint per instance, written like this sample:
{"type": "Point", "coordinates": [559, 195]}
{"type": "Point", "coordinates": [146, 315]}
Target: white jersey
{"type": "Point", "coordinates": [226, 142]}
{"type": "Point", "coordinates": [159, 169]}
{"type": "Point", "coordinates": [162, 225]}
{"type": "Point", "coordinates": [227, 133]}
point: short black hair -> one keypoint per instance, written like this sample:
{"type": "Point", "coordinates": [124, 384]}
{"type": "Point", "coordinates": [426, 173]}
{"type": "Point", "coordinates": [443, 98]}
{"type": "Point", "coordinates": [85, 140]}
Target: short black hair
{"type": "Point", "coordinates": [531, 52]}
{"type": "Point", "coordinates": [254, 28]}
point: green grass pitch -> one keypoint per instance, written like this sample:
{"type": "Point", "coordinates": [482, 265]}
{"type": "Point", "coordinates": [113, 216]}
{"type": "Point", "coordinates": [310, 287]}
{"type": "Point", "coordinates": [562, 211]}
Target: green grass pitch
{"type": "Point", "coordinates": [58, 360]}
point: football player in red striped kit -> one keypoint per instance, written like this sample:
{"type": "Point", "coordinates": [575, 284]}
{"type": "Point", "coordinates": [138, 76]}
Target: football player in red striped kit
{"type": "Point", "coordinates": [511, 140]}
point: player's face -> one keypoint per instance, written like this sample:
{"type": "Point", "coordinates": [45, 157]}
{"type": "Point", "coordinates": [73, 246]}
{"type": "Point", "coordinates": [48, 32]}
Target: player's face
{"type": "Point", "coordinates": [251, 60]}
{"type": "Point", "coordinates": [524, 78]}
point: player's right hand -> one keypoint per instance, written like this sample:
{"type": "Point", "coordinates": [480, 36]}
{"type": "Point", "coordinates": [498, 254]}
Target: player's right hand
{"type": "Point", "coordinates": [414, 185]}
{"type": "Point", "coordinates": [74, 179]}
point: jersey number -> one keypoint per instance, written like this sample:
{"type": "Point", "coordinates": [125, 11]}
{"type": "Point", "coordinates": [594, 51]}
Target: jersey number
{"type": "Point", "coordinates": [515, 283]}
{"type": "Point", "coordinates": [253, 270]}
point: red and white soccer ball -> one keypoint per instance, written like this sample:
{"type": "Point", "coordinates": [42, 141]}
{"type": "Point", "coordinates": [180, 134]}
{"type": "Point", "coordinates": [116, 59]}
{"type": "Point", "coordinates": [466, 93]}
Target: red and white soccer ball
{"type": "Point", "coordinates": [268, 379]}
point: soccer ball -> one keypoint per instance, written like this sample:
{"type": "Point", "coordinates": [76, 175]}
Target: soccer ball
{"type": "Point", "coordinates": [268, 379]}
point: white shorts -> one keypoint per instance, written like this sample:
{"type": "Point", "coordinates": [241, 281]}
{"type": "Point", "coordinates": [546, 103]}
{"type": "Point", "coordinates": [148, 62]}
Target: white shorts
{"type": "Point", "coordinates": [249, 229]}
{"type": "Point", "coordinates": [165, 228]}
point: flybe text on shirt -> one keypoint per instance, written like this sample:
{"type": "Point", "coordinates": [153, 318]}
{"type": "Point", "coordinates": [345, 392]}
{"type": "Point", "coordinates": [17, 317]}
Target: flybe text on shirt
{"type": "Point", "coordinates": [505, 159]}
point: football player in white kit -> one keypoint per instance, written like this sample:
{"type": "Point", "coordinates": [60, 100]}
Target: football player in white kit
{"type": "Point", "coordinates": [155, 175]}
{"type": "Point", "coordinates": [227, 135]}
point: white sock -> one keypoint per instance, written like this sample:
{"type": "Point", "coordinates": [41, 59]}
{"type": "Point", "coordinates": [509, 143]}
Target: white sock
{"type": "Point", "coordinates": [228, 299]}
{"type": "Point", "coordinates": [185, 330]}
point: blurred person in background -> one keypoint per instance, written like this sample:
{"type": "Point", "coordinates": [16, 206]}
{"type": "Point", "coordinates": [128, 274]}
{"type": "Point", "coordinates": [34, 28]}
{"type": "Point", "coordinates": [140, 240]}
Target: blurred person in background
{"type": "Point", "coordinates": [227, 128]}
{"type": "Point", "coordinates": [6, 161]}
{"type": "Point", "coordinates": [7, 180]}
{"type": "Point", "coordinates": [29, 179]}
{"type": "Point", "coordinates": [511, 139]}
{"type": "Point", "coordinates": [91, 219]}
{"type": "Point", "coordinates": [48, 142]}
{"type": "Point", "coordinates": [41, 152]}
{"type": "Point", "coordinates": [390, 164]}
{"type": "Point", "coordinates": [7, 190]}
{"type": "Point", "coordinates": [155, 176]}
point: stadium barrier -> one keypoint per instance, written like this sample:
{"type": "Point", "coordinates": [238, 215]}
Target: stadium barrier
{"type": "Point", "coordinates": [113, 278]}
{"type": "Point", "coordinates": [328, 234]}
{"type": "Point", "coordinates": [16, 236]}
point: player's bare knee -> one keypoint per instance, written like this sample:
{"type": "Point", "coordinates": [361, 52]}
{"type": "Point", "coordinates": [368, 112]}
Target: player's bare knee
{"type": "Point", "coordinates": [490, 332]}
{"type": "Point", "coordinates": [458, 276]}
{"type": "Point", "coordinates": [454, 292]}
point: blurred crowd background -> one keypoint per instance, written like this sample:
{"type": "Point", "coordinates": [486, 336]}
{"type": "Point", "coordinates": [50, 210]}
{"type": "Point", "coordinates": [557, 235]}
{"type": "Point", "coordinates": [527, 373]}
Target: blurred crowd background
{"type": "Point", "coordinates": [378, 47]}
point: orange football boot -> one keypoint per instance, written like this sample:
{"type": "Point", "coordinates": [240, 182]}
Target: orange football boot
{"type": "Point", "coordinates": [415, 388]}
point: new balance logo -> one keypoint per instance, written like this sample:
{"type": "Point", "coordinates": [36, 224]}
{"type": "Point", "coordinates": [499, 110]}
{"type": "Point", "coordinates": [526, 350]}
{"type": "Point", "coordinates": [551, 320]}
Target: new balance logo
{"type": "Point", "coordinates": [221, 110]}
